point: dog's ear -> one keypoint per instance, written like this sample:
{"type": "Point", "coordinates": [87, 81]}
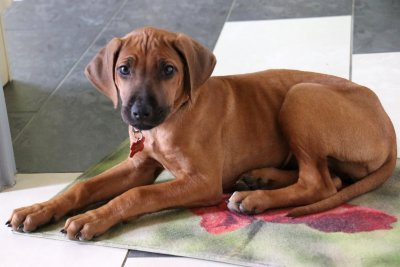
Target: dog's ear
{"type": "Point", "coordinates": [198, 60]}
{"type": "Point", "coordinates": [101, 70]}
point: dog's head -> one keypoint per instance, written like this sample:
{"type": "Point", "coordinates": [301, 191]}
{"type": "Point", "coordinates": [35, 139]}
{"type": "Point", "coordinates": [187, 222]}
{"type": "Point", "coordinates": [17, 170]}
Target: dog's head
{"type": "Point", "coordinates": [155, 72]}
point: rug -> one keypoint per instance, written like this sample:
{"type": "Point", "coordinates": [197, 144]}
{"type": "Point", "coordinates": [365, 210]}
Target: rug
{"type": "Point", "coordinates": [364, 232]}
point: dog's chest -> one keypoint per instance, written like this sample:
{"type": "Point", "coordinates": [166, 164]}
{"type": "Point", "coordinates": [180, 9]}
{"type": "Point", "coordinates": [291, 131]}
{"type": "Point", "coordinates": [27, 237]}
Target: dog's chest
{"type": "Point", "coordinates": [165, 148]}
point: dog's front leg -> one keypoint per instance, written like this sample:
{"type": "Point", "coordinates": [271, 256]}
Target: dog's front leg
{"type": "Point", "coordinates": [113, 182]}
{"type": "Point", "coordinates": [181, 192]}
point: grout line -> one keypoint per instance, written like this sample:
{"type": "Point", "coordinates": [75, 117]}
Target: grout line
{"type": "Point", "coordinates": [125, 259]}
{"type": "Point", "coordinates": [230, 12]}
{"type": "Point", "coordinates": [223, 25]}
{"type": "Point", "coordinates": [69, 72]}
{"type": "Point", "coordinates": [351, 41]}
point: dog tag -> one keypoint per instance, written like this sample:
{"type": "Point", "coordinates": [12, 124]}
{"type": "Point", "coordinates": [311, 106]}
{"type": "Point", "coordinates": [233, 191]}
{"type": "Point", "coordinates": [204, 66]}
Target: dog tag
{"type": "Point", "coordinates": [137, 146]}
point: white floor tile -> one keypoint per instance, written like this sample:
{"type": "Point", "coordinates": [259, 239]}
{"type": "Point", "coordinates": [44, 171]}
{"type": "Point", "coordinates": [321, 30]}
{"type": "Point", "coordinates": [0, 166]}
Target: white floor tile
{"type": "Point", "coordinates": [313, 44]}
{"type": "Point", "coordinates": [21, 250]}
{"type": "Point", "coordinates": [381, 73]}
{"type": "Point", "coordinates": [172, 262]}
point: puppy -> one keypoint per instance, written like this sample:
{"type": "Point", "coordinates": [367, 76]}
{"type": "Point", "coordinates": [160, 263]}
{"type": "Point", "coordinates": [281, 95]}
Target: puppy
{"type": "Point", "coordinates": [299, 133]}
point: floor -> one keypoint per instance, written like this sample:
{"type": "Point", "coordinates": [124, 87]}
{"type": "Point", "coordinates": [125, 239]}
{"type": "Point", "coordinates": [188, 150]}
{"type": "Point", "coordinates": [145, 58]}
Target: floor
{"type": "Point", "coordinates": [60, 124]}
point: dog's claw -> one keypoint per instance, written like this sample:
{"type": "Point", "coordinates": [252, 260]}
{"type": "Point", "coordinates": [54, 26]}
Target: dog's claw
{"type": "Point", "coordinates": [20, 228]}
{"type": "Point", "coordinates": [8, 222]}
{"type": "Point", "coordinates": [78, 235]}
{"type": "Point", "coordinates": [234, 206]}
{"type": "Point", "coordinates": [63, 231]}
{"type": "Point", "coordinates": [244, 210]}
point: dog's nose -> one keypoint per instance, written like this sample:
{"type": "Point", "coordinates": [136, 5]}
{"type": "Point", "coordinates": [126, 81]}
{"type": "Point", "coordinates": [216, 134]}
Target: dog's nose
{"type": "Point", "coordinates": [141, 111]}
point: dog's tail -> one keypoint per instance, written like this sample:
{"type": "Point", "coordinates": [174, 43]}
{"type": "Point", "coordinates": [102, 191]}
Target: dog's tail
{"type": "Point", "coordinates": [368, 183]}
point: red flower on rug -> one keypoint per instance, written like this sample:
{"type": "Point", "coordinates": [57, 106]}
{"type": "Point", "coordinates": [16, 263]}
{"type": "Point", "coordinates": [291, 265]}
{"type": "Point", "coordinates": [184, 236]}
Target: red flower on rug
{"type": "Point", "coordinates": [346, 218]}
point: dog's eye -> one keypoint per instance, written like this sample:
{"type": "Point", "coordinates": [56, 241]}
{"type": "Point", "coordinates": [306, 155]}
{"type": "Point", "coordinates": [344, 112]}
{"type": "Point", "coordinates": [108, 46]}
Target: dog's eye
{"type": "Point", "coordinates": [124, 70]}
{"type": "Point", "coordinates": [169, 70]}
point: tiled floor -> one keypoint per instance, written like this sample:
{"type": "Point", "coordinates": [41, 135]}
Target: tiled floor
{"type": "Point", "coordinates": [56, 115]}
{"type": "Point", "coordinates": [60, 123]}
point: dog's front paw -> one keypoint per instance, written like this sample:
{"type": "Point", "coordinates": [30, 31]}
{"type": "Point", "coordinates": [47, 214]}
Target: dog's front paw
{"type": "Point", "coordinates": [28, 219]}
{"type": "Point", "coordinates": [248, 182]}
{"type": "Point", "coordinates": [88, 225]}
{"type": "Point", "coordinates": [247, 202]}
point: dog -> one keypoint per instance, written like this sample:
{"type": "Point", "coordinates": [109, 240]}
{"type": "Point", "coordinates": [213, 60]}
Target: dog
{"type": "Point", "coordinates": [295, 137]}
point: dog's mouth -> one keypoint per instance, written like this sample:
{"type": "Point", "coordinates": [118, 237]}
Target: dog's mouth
{"type": "Point", "coordinates": [149, 123]}
{"type": "Point", "coordinates": [143, 126]}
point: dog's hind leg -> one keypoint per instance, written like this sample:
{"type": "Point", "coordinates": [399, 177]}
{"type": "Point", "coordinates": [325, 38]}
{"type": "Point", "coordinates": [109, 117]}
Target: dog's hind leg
{"type": "Point", "coordinates": [314, 183]}
{"type": "Point", "coordinates": [273, 178]}
{"type": "Point", "coordinates": [303, 127]}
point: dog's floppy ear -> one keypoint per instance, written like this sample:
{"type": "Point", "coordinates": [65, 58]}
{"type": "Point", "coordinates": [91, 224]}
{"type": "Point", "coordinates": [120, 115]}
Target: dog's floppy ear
{"type": "Point", "coordinates": [101, 70]}
{"type": "Point", "coordinates": [199, 61]}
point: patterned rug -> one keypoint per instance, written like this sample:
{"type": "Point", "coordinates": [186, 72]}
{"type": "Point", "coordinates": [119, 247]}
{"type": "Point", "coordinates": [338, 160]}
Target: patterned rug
{"type": "Point", "coordinates": [365, 232]}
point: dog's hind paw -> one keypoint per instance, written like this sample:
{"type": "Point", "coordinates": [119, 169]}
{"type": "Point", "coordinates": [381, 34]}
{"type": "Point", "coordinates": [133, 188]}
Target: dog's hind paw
{"type": "Point", "coordinates": [245, 202]}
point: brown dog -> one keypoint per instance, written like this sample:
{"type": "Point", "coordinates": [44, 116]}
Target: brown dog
{"type": "Point", "coordinates": [296, 131]}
